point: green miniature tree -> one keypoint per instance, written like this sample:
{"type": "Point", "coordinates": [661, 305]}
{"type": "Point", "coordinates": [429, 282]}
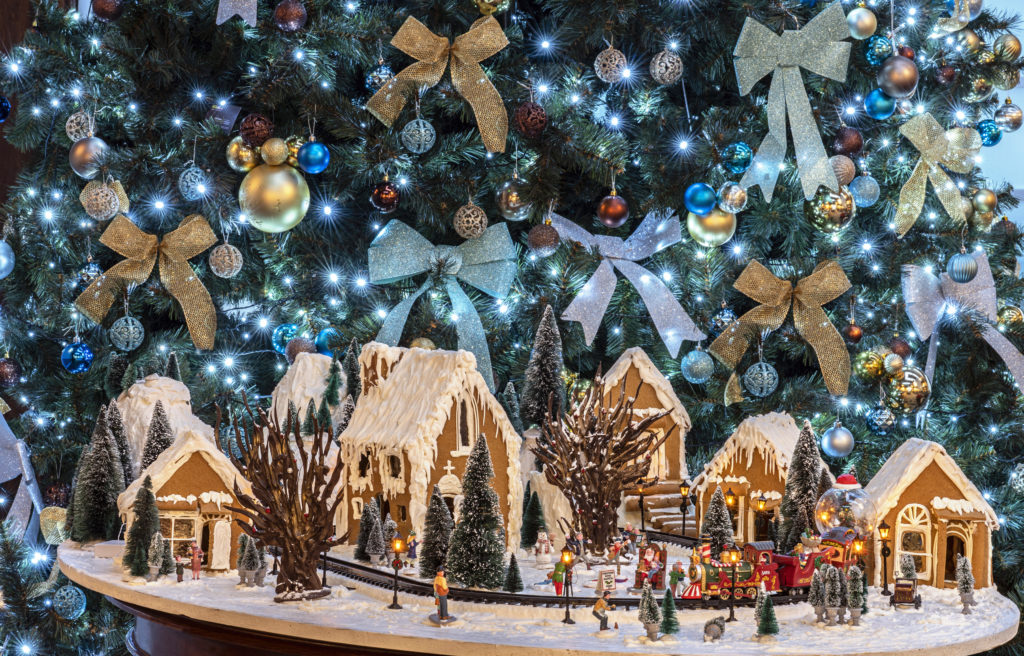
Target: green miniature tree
{"type": "Point", "coordinates": [533, 522]}
{"type": "Point", "coordinates": [370, 516]}
{"type": "Point", "coordinates": [250, 559]}
{"type": "Point", "coordinates": [172, 370]}
{"type": "Point", "coordinates": [332, 391]}
{"type": "Point", "coordinates": [510, 402]}
{"type": "Point", "coordinates": [437, 533]}
{"type": "Point", "coordinates": [854, 588]}
{"type": "Point", "coordinates": [167, 563]}
{"type": "Point", "coordinates": [117, 364]}
{"type": "Point", "coordinates": [477, 551]}
{"type": "Point", "coordinates": [309, 423]}
{"type": "Point", "coordinates": [145, 522]}
{"type": "Point", "coordinates": [669, 621]}
{"type": "Point", "coordinates": [116, 424]}
{"type": "Point", "coordinates": [649, 612]}
{"type": "Point", "coordinates": [375, 543]}
{"type": "Point", "coordinates": [348, 406]}
{"type": "Point", "coordinates": [513, 577]}
{"type": "Point", "coordinates": [718, 523]}
{"type": "Point", "coordinates": [908, 567]}
{"type": "Point", "coordinates": [100, 481]}
{"type": "Point", "coordinates": [350, 367]}
{"type": "Point", "coordinates": [801, 492]}
{"type": "Point", "coordinates": [765, 613]}
{"type": "Point", "coordinates": [323, 414]}
{"type": "Point", "coordinates": [543, 377]}
{"type": "Point", "coordinates": [159, 436]}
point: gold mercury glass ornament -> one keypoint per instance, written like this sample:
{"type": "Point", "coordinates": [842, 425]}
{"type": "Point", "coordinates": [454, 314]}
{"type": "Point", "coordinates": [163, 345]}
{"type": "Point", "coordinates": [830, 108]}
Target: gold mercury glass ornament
{"type": "Point", "coordinates": [241, 156]}
{"type": "Point", "coordinates": [274, 198]}
{"type": "Point", "coordinates": [830, 211]}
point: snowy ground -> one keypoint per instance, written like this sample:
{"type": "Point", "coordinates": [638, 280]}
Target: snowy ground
{"type": "Point", "coordinates": [494, 630]}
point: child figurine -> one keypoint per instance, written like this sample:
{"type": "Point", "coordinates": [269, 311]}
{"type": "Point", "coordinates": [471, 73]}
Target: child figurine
{"type": "Point", "coordinates": [601, 609]}
{"type": "Point", "coordinates": [410, 555]}
{"type": "Point", "coordinates": [197, 560]}
{"type": "Point", "coordinates": [441, 594]}
{"type": "Point", "coordinates": [558, 577]}
{"type": "Point", "coordinates": [677, 579]}
{"type": "Point", "coordinates": [179, 568]}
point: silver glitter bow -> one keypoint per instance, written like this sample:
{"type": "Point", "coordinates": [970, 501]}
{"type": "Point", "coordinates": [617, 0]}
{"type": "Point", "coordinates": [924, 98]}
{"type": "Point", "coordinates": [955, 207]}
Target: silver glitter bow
{"type": "Point", "coordinates": [23, 501]}
{"type": "Point", "coordinates": [487, 263]}
{"type": "Point", "coordinates": [819, 48]}
{"type": "Point", "coordinates": [658, 230]}
{"type": "Point", "coordinates": [245, 9]}
{"type": "Point", "coordinates": [928, 297]}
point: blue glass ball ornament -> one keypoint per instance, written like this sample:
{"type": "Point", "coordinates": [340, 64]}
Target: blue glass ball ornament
{"type": "Point", "coordinates": [700, 198]}
{"type": "Point", "coordinates": [282, 335]}
{"type": "Point", "coordinates": [761, 379]}
{"type": "Point", "coordinates": [5, 108]}
{"type": "Point", "coordinates": [837, 441]}
{"type": "Point", "coordinates": [973, 7]}
{"type": "Point", "coordinates": [990, 132]}
{"type": "Point", "coordinates": [76, 357]}
{"type": "Point", "coordinates": [127, 334]}
{"type": "Point", "coordinates": [865, 190]}
{"type": "Point", "coordinates": [69, 602]}
{"type": "Point", "coordinates": [736, 157]}
{"type": "Point", "coordinates": [697, 367]}
{"type": "Point", "coordinates": [879, 106]}
{"type": "Point", "coordinates": [313, 157]}
{"type": "Point", "coordinates": [880, 421]}
{"type": "Point", "coordinates": [325, 339]}
{"type": "Point", "coordinates": [378, 77]}
{"type": "Point", "coordinates": [877, 49]}
{"type": "Point", "coordinates": [6, 259]}
{"type": "Point", "coordinates": [720, 321]}
{"type": "Point", "coordinates": [962, 268]}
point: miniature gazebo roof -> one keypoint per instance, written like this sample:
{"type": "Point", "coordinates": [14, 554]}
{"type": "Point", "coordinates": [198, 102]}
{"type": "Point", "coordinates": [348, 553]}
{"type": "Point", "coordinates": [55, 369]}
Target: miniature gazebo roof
{"type": "Point", "coordinates": [907, 463]}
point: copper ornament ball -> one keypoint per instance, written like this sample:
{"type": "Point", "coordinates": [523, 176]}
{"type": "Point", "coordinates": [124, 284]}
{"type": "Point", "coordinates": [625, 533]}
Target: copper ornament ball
{"type": "Point", "coordinates": [906, 51]}
{"type": "Point", "coordinates": [844, 168]}
{"type": "Point", "coordinates": [107, 10]}
{"type": "Point", "coordinates": [290, 15]}
{"type": "Point", "coordinates": [898, 77]}
{"type": "Point", "coordinates": [384, 197]}
{"type": "Point", "coordinates": [848, 141]}
{"type": "Point", "coordinates": [530, 119]}
{"type": "Point", "coordinates": [1004, 227]}
{"type": "Point", "coordinates": [852, 333]}
{"type": "Point", "coordinates": [298, 345]}
{"type": "Point", "coordinates": [613, 210]}
{"type": "Point", "coordinates": [945, 74]}
{"type": "Point", "coordinates": [255, 129]}
{"type": "Point", "coordinates": [10, 372]}
{"type": "Point", "coordinates": [542, 240]}
{"type": "Point", "coordinates": [900, 347]}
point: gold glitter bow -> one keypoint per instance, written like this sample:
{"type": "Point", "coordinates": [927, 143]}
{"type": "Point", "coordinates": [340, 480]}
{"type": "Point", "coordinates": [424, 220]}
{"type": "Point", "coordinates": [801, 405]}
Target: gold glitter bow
{"type": "Point", "coordinates": [955, 149]}
{"type": "Point", "coordinates": [433, 54]}
{"type": "Point", "coordinates": [190, 238]}
{"type": "Point", "coordinates": [826, 283]}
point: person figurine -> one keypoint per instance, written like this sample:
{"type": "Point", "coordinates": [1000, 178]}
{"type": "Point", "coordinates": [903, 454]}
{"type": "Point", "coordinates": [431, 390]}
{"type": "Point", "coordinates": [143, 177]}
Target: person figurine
{"type": "Point", "coordinates": [601, 609]}
{"type": "Point", "coordinates": [197, 560]}
{"type": "Point", "coordinates": [179, 568]}
{"type": "Point", "coordinates": [441, 594]}
{"type": "Point", "coordinates": [558, 577]}
{"type": "Point", "coordinates": [410, 555]}
{"type": "Point", "coordinates": [677, 579]}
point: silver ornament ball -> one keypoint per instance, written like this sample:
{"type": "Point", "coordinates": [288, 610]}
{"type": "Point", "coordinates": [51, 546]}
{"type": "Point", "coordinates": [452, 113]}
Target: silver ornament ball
{"type": "Point", "coordinates": [862, 23]}
{"type": "Point", "coordinates": [418, 136]}
{"type": "Point", "coordinates": [844, 168]}
{"type": "Point", "coordinates": [225, 261]}
{"type": "Point", "coordinates": [127, 334]}
{"type": "Point", "coordinates": [761, 379]}
{"type": "Point", "coordinates": [1009, 117]}
{"type": "Point", "coordinates": [6, 259]}
{"type": "Point", "coordinates": [84, 156]}
{"type": "Point", "coordinates": [962, 268]}
{"type": "Point", "coordinates": [880, 421]}
{"type": "Point", "coordinates": [837, 441]}
{"type": "Point", "coordinates": [697, 367]}
{"type": "Point", "coordinates": [865, 191]}
{"type": "Point", "coordinates": [192, 183]}
{"type": "Point", "coordinates": [732, 198]}
{"type": "Point", "coordinates": [666, 67]}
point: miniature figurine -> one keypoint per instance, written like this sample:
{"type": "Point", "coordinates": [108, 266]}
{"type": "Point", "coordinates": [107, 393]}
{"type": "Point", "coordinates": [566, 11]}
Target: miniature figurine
{"type": "Point", "coordinates": [197, 560]}
{"type": "Point", "coordinates": [677, 579]}
{"type": "Point", "coordinates": [179, 568]}
{"type": "Point", "coordinates": [410, 555]}
{"type": "Point", "coordinates": [542, 549]}
{"type": "Point", "coordinates": [558, 577]}
{"type": "Point", "coordinates": [441, 594]}
{"type": "Point", "coordinates": [601, 609]}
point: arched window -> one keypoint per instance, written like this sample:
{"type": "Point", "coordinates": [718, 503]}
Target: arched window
{"type": "Point", "coordinates": [914, 537]}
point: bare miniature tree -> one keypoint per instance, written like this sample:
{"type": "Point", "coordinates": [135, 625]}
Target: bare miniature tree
{"type": "Point", "coordinates": [293, 500]}
{"type": "Point", "coordinates": [595, 452]}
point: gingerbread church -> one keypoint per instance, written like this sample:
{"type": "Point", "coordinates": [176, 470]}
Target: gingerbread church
{"type": "Point", "coordinates": [416, 420]}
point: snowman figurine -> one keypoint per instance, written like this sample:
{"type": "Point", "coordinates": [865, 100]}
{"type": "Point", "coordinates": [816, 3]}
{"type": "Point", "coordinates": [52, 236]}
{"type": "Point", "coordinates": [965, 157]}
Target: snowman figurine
{"type": "Point", "coordinates": [542, 550]}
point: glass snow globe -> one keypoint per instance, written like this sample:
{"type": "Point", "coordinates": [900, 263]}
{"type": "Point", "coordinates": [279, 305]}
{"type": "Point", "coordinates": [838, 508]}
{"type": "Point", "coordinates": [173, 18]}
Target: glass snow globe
{"type": "Point", "coordinates": [846, 505]}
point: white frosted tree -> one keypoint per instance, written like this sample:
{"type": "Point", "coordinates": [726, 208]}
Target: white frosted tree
{"type": "Point", "coordinates": [908, 567]}
{"type": "Point", "coordinates": [718, 523]}
{"type": "Point", "coordinates": [375, 545]}
{"type": "Point", "coordinates": [833, 587]}
{"type": "Point", "coordinates": [437, 532]}
{"type": "Point", "coordinates": [116, 424]}
{"type": "Point", "coordinates": [543, 377]}
{"type": "Point", "coordinates": [649, 612]}
{"type": "Point", "coordinates": [801, 492]}
{"type": "Point", "coordinates": [156, 551]}
{"type": "Point", "coordinates": [158, 437]}
{"type": "Point", "coordinates": [370, 516]}
{"type": "Point", "coordinates": [100, 481]}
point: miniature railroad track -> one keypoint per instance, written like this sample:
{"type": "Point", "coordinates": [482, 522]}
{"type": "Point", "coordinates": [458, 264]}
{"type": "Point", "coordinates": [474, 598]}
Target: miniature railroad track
{"type": "Point", "coordinates": [379, 578]}
{"type": "Point", "coordinates": [671, 538]}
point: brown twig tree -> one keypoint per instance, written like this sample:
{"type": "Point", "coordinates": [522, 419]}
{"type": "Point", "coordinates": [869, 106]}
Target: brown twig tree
{"type": "Point", "coordinates": [293, 499]}
{"type": "Point", "coordinates": [595, 452]}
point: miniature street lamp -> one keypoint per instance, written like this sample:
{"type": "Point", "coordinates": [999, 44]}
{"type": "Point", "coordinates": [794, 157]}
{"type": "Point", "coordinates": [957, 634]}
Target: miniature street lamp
{"type": "Point", "coordinates": [567, 558]}
{"type": "Point", "coordinates": [397, 546]}
{"type": "Point", "coordinates": [883, 534]}
{"type": "Point", "coordinates": [762, 501]}
{"type": "Point", "coordinates": [640, 484]}
{"type": "Point", "coordinates": [731, 556]}
{"type": "Point", "coordinates": [684, 492]}
{"type": "Point", "coordinates": [730, 498]}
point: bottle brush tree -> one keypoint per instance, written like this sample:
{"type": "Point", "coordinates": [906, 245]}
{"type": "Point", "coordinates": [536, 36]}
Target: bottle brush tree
{"type": "Point", "coordinates": [543, 377]}
{"type": "Point", "coordinates": [533, 522]}
{"type": "Point", "coordinates": [765, 613]}
{"type": "Point", "coordinates": [669, 621]}
{"type": "Point", "coordinates": [513, 577]}
{"type": "Point", "coordinates": [156, 552]}
{"type": "Point", "coordinates": [369, 516]}
{"type": "Point", "coordinates": [167, 562]}
{"type": "Point", "coordinates": [854, 588]}
{"type": "Point", "coordinates": [145, 522]}
{"type": "Point", "coordinates": [437, 531]}
{"type": "Point", "coordinates": [718, 523]}
{"type": "Point", "coordinates": [801, 491]}
{"type": "Point", "coordinates": [115, 422]}
{"type": "Point", "coordinates": [477, 551]}
{"type": "Point", "coordinates": [833, 587]}
{"type": "Point", "coordinates": [158, 436]}
{"type": "Point", "coordinates": [964, 575]}
{"type": "Point", "coordinates": [100, 481]}
{"type": "Point", "coordinates": [649, 612]}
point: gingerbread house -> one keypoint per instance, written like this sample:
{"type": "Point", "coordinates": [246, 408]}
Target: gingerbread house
{"type": "Point", "coordinates": [752, 463]}
{"type": "Point", "coordinates": [415, 423]}
{"type": "Point", "coordinates": [194, 484]}
{"type": "Point", "coordinates": [934, 513]}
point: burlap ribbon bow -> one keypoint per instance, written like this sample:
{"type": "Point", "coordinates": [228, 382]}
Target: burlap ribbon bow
{"type": "Point", "coordinates": [819, 48]}
{"type": "Point", "coordinates": [433, 54]}
{"type": "Point", "coordinates": [142, 250]}
{"type": "Point", "coordinates": [826, 283]}
{"type": "Point", "coordinates": [955, 149]}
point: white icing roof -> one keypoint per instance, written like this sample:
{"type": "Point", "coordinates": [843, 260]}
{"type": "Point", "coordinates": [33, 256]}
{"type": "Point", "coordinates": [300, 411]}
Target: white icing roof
{"type": "Point", "coordinates": [904, 466]}
{"type": "Point", "coordinates": [636, 357]}
{"type": "Point", "coordinates": [305, 381]}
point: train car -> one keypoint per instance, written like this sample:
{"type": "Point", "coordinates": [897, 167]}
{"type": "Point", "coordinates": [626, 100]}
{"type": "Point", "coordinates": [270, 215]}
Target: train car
{"type": "Point", "coordinates": [711, 578]}
{"type": "Point", "coordinates": [840, 547]}
{"type": "Point", "coordinates": [795, 571]}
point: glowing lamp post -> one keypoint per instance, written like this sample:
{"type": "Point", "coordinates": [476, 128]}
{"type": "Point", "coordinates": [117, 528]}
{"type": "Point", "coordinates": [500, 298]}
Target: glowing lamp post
{"type": "Point", "coordinates": [398, 547]}
{"type": "Point", "coordinates": [883, 535]}
{"type": "Point", "coordinates": [731, 556]}
{"type": "Point", "coordinates": [684, 492]}
{"type": "Point", "coordinates": [567, 558]}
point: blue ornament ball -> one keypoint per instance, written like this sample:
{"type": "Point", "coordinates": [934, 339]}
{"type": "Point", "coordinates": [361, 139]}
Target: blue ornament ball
{"type": "Point", "coordinates": [990, 132]}
{"type": "Point", "coordinates": [736, 157]}
{"type": "Point", "coordinates": [877, 49]}
{"type": "Point", "coordinates": [5, 108]}
{"type": "Point", "coordinates": [325, 339]}
{"type": "Point", "coordinates": [6, 259]}
{"type": "Point", "coordinates": [865, 190]}
{"type": "Point", "coordinates": [697, 367]}
{"type": "Point", "coordinates": [282, 335]}
{"type": "Point", "coordinates": [313, 157]}
{"type": "Point", "coordinates": [962, 268]}
{"type": "Point", "coordinates": [879, 106]}
{"type": "Point", "coordinates": [69, 602]}
{"type": "Point", "coordinates": [76, 357]}
{"type": "Point", "coordinates": [761, 379]}
{"type": "Point", "coordinates": [880, 421]}
{"type": "Point", "coordinates": [700, 198]}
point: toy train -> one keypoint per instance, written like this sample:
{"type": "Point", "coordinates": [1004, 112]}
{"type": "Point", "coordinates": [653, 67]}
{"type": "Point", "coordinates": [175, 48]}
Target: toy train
{"type": "Point", "coordinates": [788, 573]}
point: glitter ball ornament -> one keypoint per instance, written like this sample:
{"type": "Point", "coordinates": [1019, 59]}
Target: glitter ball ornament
{"type": "Point", "coordinates": [848, 141]}
{"type": "Point", "coordinates": [844, 168]}
{"type": "Point", "coordinates": [1004, 227]}
{"type": "Point", "coordinates": [314, 157]}
{"type": "Point", "coordinates": [69, 602]}
{"type": "Point", "coordinates": [290, 15]}
{"type": "Point", "coordinates": [990, 132]}
{"type": "Point", "coordinates": [879, 105]}
{"type": "Point", "coordinates": [945, 74]}
{"type": "Point", "coordinates": [510, 201]}
{"type": "Point", "coordinates": [327, 340]}
{"type": "Point", "coordinates": [241, 156]}
{"type": "Point", "coordinates": [274, 198]}
{"type": "Point", "coordinates": [6, 259]}
{"type": "Point", "coordinates": [700, 198]}
{"type": "Point", "coordinates": [761, 379]}
{"type": "Point", "coordinates": [983, 221]}
{"type": "Point", "coordinates": [712, 229]}
{"type": "Point", "coordinates": [900, 347]}
{"type": "Point", "coordinates": [893, 363]}
{"type": "Point", "coordinates": [1005, 77]}
{"type": "Point", "coordinates": [962, 267]}
{"type": "Point", "coordinates": [84, 156]}
{"type": "Point", "coordinates": [424, 343]}
{"type": "Point", "coordinates": [877, 49]}
{"type": "Point", "coordinates": [282, 335]}
{"type": "Point", "coordinates": [274, 151]}
{"type": "Point", "coordinates": [1009, 315]}
{"type": "Point", "coordinates": [985, 57]}
{"type": "Point", "coordinates": [225, 261]}
{"type": "Point", "coordinates": [865, 190]}
{"type": "Point", "coordinates": [1009, 117]}
{"type": "Point", "coordinates": [985, 200]}
{"type": "Point", "coordinates": [732, 198]}
{"type": "Point", "coordinates": [127, 334]}
{"type": "Point", "coordinates": [862, 23]}
{"type": "Point", "coordinates": [192, 183]}
{"type": "Point", "coordinates": [53, 520]}
{"type": "Point", "coordinates": [418, 136]}
{"type": "Point", "coordinates": [845, 508]}
{"type": "Point", "coordinates": [666, 67]}
{"type": "Point", "coordinates": [610, 65]}
{"type": "Point", "coordinates": [298, 345]}
{"type": "Point", "coordinates": [697, 367]}
{"type": "Point", "coordinates": [385, 196]}
{"type": "Point", "coordinates": [107, 10]}
{"type": "Point", "coordinates": [1006, 47]}
{"type": "Point", "coordinates": [255, 129]}
{"type": "Point", "coordinates": [837, 441]}
{"type": "Point", "coordinates": [613, 210]}
{"type": "Point", "coordinates": [78, 126]}
{"type": "Point", "coordinates": [869, 365]}
{"type": "Point", "coordinates": [973, 7]}
{"type": "Point", "coordinates": [906, 51]}
{"type": "Point", "coordinates": [852, 333]}
{"type": "Point", "coordinates": [294, 142]}
{"type": "Point", "coordinates": [10, 371]}
{"type": "Point", "coordinates": [736, 157]}
{"type": "Point", "coordinates": [489, 7]}
{"type": "Point", "coordinates": [470, 221]}
{"type": "Point", "coordinates": [720, 321]}
{"type": "Point", "coordinates": [76, 357]}
{"type": "Point", "coordinates": [880, 421]}
{"type": "Point", "coordinates": [979, 87]}
{"type": "Point", "coordinates": [90, 272]}
{"type": "Point", "coordinates": [830, 211]}
{"type": "Point", "coordinates": [542, 240]}
{"type": "Point", "coordinates": [898, 77]}
{"type": "Point", "coordinates": [530, 119]}
{"type": "Point", "coordinates": [378, 77]}
{"type": "Point", "coordinates": [908, 392]}
{"type": "Point", "coordinates": [101, 202]}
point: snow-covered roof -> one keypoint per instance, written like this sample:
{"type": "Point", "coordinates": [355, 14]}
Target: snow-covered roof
{"type": "Point", "coordinates": [904, 466]}
{"type": "Point", "coordinates": [176, 455]}
{"type": "Point", "coordinates": [772, 435]}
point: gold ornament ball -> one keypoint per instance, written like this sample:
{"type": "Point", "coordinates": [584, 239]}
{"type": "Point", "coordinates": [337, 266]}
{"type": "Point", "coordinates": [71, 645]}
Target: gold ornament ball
{"type": "Point", "coordinates": [470, 221]}
{"type": "Point", "coordinates": [1006, 48]}
{"type": "Point", "coordinates": [274, 151]}
{"type": "Point", "coordinates": [985, 57]}
{"type": "Point", "coordinates": [967, 205]}
{"type": "Point", "coordinates": [84, 156]}
{"type": "Point", "coordinates": [423, 343]}
{"type": "Point", "coordinates": [844, 168]}
{"type": "Point", "coordinates": [274, 198]}
{"type": "Point", "coordinates": [908, 391]}
{"type": "Point", "coordinates": [983, 220]}
{"type": "Point", "coordinates": [979, 88]}
{"type": "Point", "coordinates": [53, 524]}
{"type": "Point", "coordinates": [985, 200]}
{"type": "Point", "coordinates": [713, 229]}
{"type": "Point", "coordinates": [969, 40]}
{"type": "Point", "coordinates": [488, 7]}
{"type": "Point", "coordinates": [862, 23]}
{"type": "Point", "coordinates": [294, 143]}
{"type": "Point", "coordinates": [1005, 77]}
{"type": "Point", "coordinates": [241, 156]}
{"type": "Point", "coordinates": [1010, 314]}
{"type": "Point", "coordinates": [869, 365]}
{"type": "Point", "coordinates": [893, 364]}
{"type": "Point", "coordinates": [830, 211]}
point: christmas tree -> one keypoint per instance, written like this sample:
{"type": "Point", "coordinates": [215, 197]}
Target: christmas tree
{"type": "Point", "coordinates": [437, 533]}
{"type": "Point", "coordinates": [669, 621]}
{"type": "Point", "coordinates": [116, 425]}
{"type": "Point", "coordinates": [510, 402]}
{"type": "Point", "coordinates": [332, 389]}
{"type": "Point", "coordinates": [167, 564]}
{"type": "Point", "coordinates": [172, 369]}
{"type": "Point", "coordinates": [146, 522]}
{"type": "Point", "coordinates": [907, 567]}
{"type": "Point", "coordinates": [543, 377]}
{"type": "Point", "coordinates": [117, 365]}
{"type": "Point", "coordinates": [833, 587]}
{"type": "Point", "coordinates": [158, 436]}
{"type": "Point", "coordinates": [533, 521]}
{"type": "Point", "coordinates": [309, 422]}
{"type": "Point", "coordinates": [477, 551]}
{"type": "Point", "coordinates": [350, 366]}
{"type": "Point", "coordinates": [323, 414]}
{"type": "Point", "coordinates": [250, 558]}
{"type": "Point", "coordinates": [855, 588]}
{"type": "Point", "coordinates": [764, 613]}
{"type": "Point", "coordinates": [156, 552]}
{"type": "Point", "coordinates": [367, 520]}
{"type": "Point", "coordinates": [376, 545]}
{"type": "Point", "coordinates": [513, 577]}
{"type": "Point", "coordinates": [718, 523]}
{"type": "Point", "coordinates": [347, 408]}
{"type": "Point", "coordinates": [816, 591]}
{"type": "Point", "coordinates": [100, 480]}
{"type": "Point", "coordinates": [389, 528]}
{"type": "Point", "coordinates": [964, 576]}
{"type": "Point", "coordinates": [801, 492]}
{"type": "Point", "coordinates": [649, 613]}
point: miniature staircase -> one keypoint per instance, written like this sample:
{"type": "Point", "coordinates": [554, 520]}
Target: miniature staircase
{"type": "Point", "coordinates": [661, 509]}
